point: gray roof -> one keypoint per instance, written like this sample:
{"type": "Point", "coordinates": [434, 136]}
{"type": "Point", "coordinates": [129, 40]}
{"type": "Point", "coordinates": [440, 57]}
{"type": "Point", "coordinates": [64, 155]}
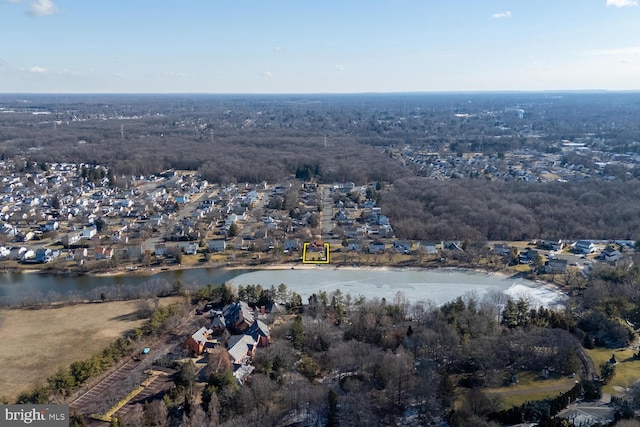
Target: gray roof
{"type": "Point", "coordinates": [238, 346]}
{"type": "Point", "coordinates": [202, 334]}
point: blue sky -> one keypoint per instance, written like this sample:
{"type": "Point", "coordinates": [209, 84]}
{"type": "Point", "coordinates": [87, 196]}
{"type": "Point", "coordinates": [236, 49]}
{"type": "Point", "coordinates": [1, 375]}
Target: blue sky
{"type": "Point", "coordinates": [317, 46]}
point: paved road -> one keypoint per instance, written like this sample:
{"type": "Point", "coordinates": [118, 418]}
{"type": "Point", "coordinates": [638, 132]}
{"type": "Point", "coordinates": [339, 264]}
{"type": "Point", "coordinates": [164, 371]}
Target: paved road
{"type": "Point", "coordinates": [185, 211]}
{"type": "Point", "coordinates": [92, 400]}
{"type": "Point", "coordinates": [327, 212]}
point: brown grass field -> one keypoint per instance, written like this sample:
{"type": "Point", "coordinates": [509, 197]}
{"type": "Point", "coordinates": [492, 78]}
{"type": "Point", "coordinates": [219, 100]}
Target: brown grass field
{"type": "Point", "coordinates": [36, 343]}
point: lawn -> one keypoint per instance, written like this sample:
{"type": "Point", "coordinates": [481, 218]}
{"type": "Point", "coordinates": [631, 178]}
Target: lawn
{"type": "Point", "coordinates": [36, 343]}
{"type": "Point", "coordinates": [531, 386]}
{"type": "Point", "coordinates": [627, 368]}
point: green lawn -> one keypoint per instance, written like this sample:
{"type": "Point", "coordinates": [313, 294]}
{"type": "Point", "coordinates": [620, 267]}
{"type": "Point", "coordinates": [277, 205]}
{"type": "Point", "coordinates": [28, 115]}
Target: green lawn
{"type": "Point", "coordinates": [532, 386]}
{"type": "Point", "coordinates": [627, 369]}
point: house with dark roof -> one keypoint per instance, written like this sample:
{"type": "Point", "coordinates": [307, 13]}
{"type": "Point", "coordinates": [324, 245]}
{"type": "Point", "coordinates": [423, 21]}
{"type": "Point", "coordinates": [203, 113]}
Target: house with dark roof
{"type": "Point", "coordinates": [555, 266]}
{"type": "Point", "coordinates": [260, 333]}
{"type": "Point", "coordinates": [376, 247]}
{"type": "Point", "coordinates": [610, 254]}
{"type": "Point", "coordinates": [238, 316]}
{"type": "Point", "coordinates": [501, 249]}
{"type": "Point", "coordinates": [402, 246]}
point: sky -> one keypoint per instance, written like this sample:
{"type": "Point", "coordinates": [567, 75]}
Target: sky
{"type": "Point", "coordinates": [317, 46]}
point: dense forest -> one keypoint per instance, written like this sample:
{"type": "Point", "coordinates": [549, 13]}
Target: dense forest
{"type": "Point", "coordinates": [478, 211]}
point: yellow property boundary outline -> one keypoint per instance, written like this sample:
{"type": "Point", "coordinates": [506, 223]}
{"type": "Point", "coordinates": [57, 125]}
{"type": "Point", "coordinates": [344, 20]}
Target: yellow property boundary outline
{"type": "Point", "coordinates": [310, 261]}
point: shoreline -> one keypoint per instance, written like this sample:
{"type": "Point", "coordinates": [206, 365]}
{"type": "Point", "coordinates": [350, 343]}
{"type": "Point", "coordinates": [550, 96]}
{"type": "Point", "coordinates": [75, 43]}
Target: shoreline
{"type": "Point", "coordinates": [152, 271]}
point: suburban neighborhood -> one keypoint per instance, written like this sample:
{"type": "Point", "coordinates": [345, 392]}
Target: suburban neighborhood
{"type": "Point", "coordinates": [73, 218]}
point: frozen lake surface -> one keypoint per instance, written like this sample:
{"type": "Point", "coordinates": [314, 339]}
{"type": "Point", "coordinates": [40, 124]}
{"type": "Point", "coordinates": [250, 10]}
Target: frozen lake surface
{"type": "Point", "coordinates": [438, 286]}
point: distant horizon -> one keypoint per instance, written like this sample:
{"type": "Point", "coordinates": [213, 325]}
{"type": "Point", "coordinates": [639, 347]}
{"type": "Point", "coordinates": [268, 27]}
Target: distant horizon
{"type": "Point", "coordinates": [443, 92]}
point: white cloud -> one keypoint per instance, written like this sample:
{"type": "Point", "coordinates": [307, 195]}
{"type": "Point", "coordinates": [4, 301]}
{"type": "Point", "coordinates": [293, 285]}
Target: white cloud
{"type": "Point", "coordinates": [626, 61]}
{"type": "Point", "coordinates": [277, 49]}
{"type": "Point", "coordinates": [42, 7]}
{"type": "Point", "coordinates": [622, 3]}
{"type": "Point", "coordinates": [267, 74]}
{"type": "Point", "coordinates": [339, 67]}
{"type": "Point", "coordinates": [118, 75]}
{"type": "Point", "coordinates": [37, 69]}
{"type": "Point", "coordinates": [172, 74]}
{"type": "Point", "coordinates": [500, 15]}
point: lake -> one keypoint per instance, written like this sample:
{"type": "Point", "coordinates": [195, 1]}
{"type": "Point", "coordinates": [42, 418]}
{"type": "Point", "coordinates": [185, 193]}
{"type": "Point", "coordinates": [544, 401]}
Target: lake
{"type": "Point", "coordinates": [438, 286]}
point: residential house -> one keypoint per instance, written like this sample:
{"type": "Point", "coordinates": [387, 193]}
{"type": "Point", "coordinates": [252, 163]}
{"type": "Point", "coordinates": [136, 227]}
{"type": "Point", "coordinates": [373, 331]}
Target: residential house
{"type": "Point", "coordinates": [43, 255]}
{"type": "Point", "coordinates": [528, 256]}
{"type": "Point", "coordinates": [238, 316]}
{"type": "Point", "coordinates": [89, 231]}
{"type": "Point", "coordinates": [102, 253]}
{"type": "Point", "coordinates": [80, 254]}
{"type": "Point", "coordinates": [376, 247]}
{"type": "Point", "coordinates": [241, 348]}
{"type": "Point", "coordinates": [182, 199]}
{"type": "Point", "coordinates": [200, 341]}
{"type": "Point", "coordinates": [610, 254]}
{"type": "Point", "coordinates": [501, 249]}
{"type": "Point", "coordinates": [428, 247]}
{"type": "Point", "coordinates": [268, 244]}
{"type": "Point", "coordinates": [51, 226]}
{"type": "Point", "coordinates": [133, 252]}
{"type": "Point", "coordinates": [551, 245]}
{"type": "Point", "coordinates": [556, 265]}
{"type": "Point", "coordinates": [17, 253]}
{"type": "Point", "coordinates": [189, 248]}
{"type": "Point", "coordinates": [218, 324]}
{"type": "Point", "coordinates": [354, 245]}
{"type": "Point", "coordinates": [218, 245]}
{"type": "Point", "coordinates": [71, 239]}
{"type": "Point", "coordinates": [292, 245]}
{"type": "Point", "coordinates": [584, 247]}
{"type": "Point", "coordinates": [160, 249]}
{"type": "Point", "coordinates": [403, 246]}
{"type": "Point", "coordinates": [452, 246]}
{"type": "Point", "coordinates": [260, 333]}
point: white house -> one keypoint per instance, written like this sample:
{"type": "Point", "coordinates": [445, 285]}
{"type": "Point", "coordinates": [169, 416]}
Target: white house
{"type": "Point", "coordinates": [584, 247]}
{"type": "Point", "coordinates": [89, 232]}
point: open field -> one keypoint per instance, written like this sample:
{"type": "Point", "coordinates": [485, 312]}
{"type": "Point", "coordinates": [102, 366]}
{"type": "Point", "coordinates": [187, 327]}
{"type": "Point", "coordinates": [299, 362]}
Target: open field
{"type": "Point", "coordinates": [531, 386]}
{"type": "Point", "coordinates": [36, 343]}
{"type": "Point", "coordinates": [627, 369]}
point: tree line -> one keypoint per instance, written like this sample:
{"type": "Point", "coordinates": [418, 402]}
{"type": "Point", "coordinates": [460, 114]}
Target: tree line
{"type": "Point", "coordinates": [476, 210]}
